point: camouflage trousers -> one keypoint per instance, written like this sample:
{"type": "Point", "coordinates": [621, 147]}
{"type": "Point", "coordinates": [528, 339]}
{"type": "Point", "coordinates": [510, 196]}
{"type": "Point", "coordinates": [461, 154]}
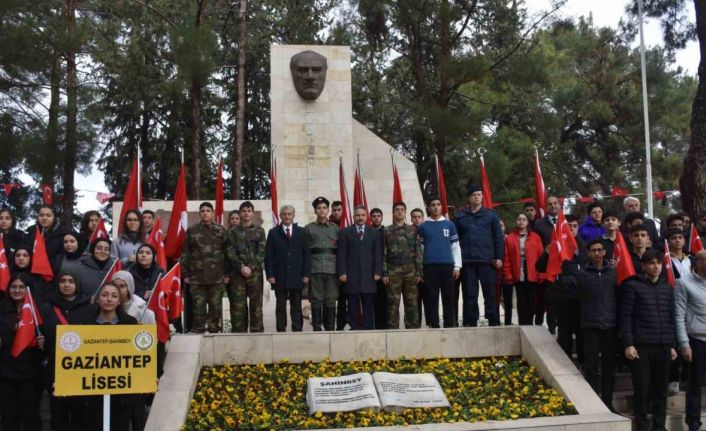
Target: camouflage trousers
{"type": "Point", "coordinates": [403, 285]}
{"type": "Point", "coordinates": [323, 290]}
{"type": "Point", "coordinates": [208, 311]}
{"type": "Point", "coordinates": [246, 304]}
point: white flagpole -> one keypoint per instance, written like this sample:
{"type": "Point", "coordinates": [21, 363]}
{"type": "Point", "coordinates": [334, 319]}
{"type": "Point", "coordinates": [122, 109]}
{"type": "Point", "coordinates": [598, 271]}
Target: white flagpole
{"type": "Point", "coordinates": [139, 177]}
{"type": "Point", "coordinates": [106, 412]}
{"type": "Point", "coordinates": [648, 156]}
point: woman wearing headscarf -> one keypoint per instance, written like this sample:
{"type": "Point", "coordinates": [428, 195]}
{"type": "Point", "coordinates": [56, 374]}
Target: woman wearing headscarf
{"type": "Point", "coordinates": [94, 267]}
{"type": "Point", "coordinates": [145, 271]}
{"type": "Point", "coordinates": [125, 247]}
{"type": "Point", "coordinates": [132, 304]}
{"type": "Point", "coordinates": [68, 305]}
{"type": "Point", "coordinates": [51, 228]}
{"type": "Point", "coordinates": [124, 409]}
{"type": "Point", "coordinates": [71, 252]}
{"type": "Point", "coordinates": [20, 376]}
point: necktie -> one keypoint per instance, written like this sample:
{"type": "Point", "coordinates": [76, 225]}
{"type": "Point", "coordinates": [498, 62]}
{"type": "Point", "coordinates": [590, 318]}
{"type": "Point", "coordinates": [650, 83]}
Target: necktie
{"type": "Point", "coordinates": [360, 233]}
{"type": "Point", "coordinates": [286, 231]}
{"type": "Point", "coordinates": [553, 220]}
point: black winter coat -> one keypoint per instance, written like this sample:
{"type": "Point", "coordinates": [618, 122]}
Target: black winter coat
{"type": "Point", "coordinates": [359, 260]}
{"type": "Point", "coordinates": [647, 312]}
{"type": "Point", "coordinates": [597, 294]}
{"type": "Point", "coordinates": [287, 260]}
{"type": "Point", "coordinates": [27, 366]}
{"type": "Point", "coordinates": [53, 239]}
{"type": "Point", "coordinates": [543, 227]}
{"type": "Point", "coordinates": [12, 239]}
{"type": "Point", "coordinates": [145, 279]}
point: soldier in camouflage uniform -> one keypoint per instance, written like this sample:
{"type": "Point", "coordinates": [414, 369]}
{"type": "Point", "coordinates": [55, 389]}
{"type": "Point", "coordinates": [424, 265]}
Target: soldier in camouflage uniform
{"type": "Point", "coordinates": [322, 238]}
{"type": "Point", "coordinates": [402, 269]}
{"type": "Point", "coordinates": [246, 253]}
{"type": "Point", "coordinates": [203, 263]}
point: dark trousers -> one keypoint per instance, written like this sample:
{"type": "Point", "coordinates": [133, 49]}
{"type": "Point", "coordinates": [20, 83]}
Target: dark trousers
{"type": "Point", "coordinates": [599, 369]}
{"type": "Point", "coordinates": [471, 274]}
{"type": "Point", "coordinates": [697, 368]}
{"type": "Point", "coordinates": [380, 306]}
{"type": "Point", "coordinates": [439, 278]}
{"type": "Point", "coordinates": [341, 313]}
{"type": "Point", "coordinates": [568, 319]}
{"type": "Point", "coordinates": [420, 301]}
{"type": "Point", "coordinates": [367, 301]}
{"type": "Point", "coordinates": [20, 405]}
{"type": "Point", "coordinates": [507, 303]}
{"type": "Point", "coordinates": [67, 413]}
{"type": "Point", "coordinates": [650, 374]}
{"type": "Point", "coordinates": [295, 309]}
{"type": "Point", "coordinates": [526, 297]}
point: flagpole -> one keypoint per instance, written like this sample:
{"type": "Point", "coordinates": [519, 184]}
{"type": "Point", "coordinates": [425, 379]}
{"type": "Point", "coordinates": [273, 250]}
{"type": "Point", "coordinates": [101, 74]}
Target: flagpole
{"type": "Point", "coordinates": [139, 179]}
{"type": "Point", "coordinates": [150, 298]}
{"type": "Point", "coordinates": [34, 315]}
{"type": "Point", "coordinates": [648, 155]}
{"type": "Point", "coordinates": [106, 412]}
{"type": "Point", "coordinates": [106, 276]}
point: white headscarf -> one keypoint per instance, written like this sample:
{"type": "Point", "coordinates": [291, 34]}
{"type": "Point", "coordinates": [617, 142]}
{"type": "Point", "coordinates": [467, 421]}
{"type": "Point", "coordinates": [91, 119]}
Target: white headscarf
{"type": "Point", "coordinates": [134, 306]}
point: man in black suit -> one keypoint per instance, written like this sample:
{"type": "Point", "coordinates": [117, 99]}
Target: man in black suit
{"type": "Point", "coordinates": [544, 227]}
{"type": "Point", "coordinates": [360, 267]}
{"type": "Point", "coordinates": [288, 266]}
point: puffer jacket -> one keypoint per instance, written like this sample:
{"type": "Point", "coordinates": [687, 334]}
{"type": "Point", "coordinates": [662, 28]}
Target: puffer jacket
{"type": "Point", "coordinates": [596, 291]}
{"type": "Point", "coordinates": [480, 236]}
{"type": "Point", "coordinates": [647, 312]}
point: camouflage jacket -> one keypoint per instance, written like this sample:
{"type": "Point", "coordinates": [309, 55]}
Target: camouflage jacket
{"type": "Point", "coordinates": [402, 247]}
{"type": "Point", "coordinates": [322, 239]}
{"type": "Point", "coordinates": [203, 258]}
{"type": "Point", "coordinates": [246, 247]}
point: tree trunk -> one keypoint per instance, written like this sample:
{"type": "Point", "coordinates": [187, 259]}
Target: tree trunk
{"type": "Point", "coordinates": [240, 101]}
{"type": "Point", "coordinates": [195, 93]}
{"type": "Point", "coordinates": [145, 147]}
{"type": "Point", "coordinates": [693, 177]}
{"type": "Point", "coordinates": [53, 121]}
{"type": "Point", "coordinates": [71, 113]}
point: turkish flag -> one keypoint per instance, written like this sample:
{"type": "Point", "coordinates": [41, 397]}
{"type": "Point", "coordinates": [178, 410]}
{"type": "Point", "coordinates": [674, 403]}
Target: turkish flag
{"type": "Point", "coordinates": [273, 192]}
{"type": "Point", "coordinates": [99, 232]}
{"type": "Point", "coordinates": [539, 188]}
{"type": "Point", "coordinates": [485, 184]}
{"type": "Point", "coordinates": [156, 240]}
{"type": "Point", "coordinates": [40, 260]}
{"type": "Point", "coordinates": [567, 237]}
{"type": "Point", "coordinates": [659, 195]}
{"type": "Point", "coordinates": [668, 266]}
{"type": "Point", "coordinates": [47, 190]}
{"type": "Point", "coordinates": [133, 195]}
{"type": "Point", "coordinates": [114, 268]}
{"type": "Point", "coordinates": [176, 304]}
{"type": "Point", "coordinates": [359, 195]}
{"type": "Point", "coordinates": [27, 328]}
{"type": "Point", "coordinates": [556, 255]}
{"type": "Point", "coordinates": [176, 232]}
{"type": "Point", "coordinates": [4, 267]}
{"type": "Point", "coordinates": [219, 194]}
{"type": "Point", "coordinates": [621, 255]}
{"type": "Point", "coordinates": [160, 299]}
{"type": "Point", "coordinates": [396, 185]}
{"type": "Point", "coordinates": [441, 185]}
{"type": "Point", "coordinates": [8, 187]}
{"type": "Point", "coordinates": [695, 244]}
{"type": "Point", "coordinates": [616, 191]}
{"type": "Point", "coordinates": [104, 197]}
{"type": "Point", "coordinates": [346, 219]}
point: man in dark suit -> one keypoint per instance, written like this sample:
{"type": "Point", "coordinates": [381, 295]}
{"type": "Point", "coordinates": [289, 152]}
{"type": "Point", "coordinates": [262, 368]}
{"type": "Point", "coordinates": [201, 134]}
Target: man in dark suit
{"type": "Point", "coordinates": [360, 267]}
{"type": "Point", "coordinates": [288, 267]}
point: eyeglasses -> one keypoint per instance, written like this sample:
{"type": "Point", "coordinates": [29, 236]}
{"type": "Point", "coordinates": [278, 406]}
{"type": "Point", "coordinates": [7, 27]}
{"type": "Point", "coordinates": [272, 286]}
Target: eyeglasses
{"type": "Point", "coordinates": [133, 219]}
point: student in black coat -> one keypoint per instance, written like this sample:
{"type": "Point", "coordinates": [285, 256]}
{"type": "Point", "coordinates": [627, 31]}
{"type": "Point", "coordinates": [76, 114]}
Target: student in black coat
{"type": "Point", "coordinates": [647, 328]}
{"type": "Point", "coordinates": [11, 236]}
{"type": "Point", "coordinates": [71, 252]}
{"type": "Point", "coordinates": [359, 265]}
{"type": "Point", "coordinates": [127, 412]}
{"type": "Point", "coordinates": [22, 263]}
{"type": "Point", "coordinates": [51, 228]}
{"type": "Point", "coordinates": [288, 267]}
{"type": "Point", "coordinates": [145, 271]}
{"type": "Point", "coordinates": [20, 377]}
{"type": "Point", "coordinates": [66, 306]}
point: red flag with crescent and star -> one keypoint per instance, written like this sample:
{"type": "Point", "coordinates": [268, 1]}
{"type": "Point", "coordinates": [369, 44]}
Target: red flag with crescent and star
{"type": "Point", "coordinates": [99, 232]}
{"type": "Point", "coordinates": [27, 328]}
{"type": "Point", "coordinates": [40, 260]}
{"type": "Point", "coordinates": [176, 231]}
{"type": "Point", "coordinates": [159, 304]}
{"type": "Point", "coordinates": [621, 255]}
{"type": "Point", "coordinates": [176, 304]}
{"type": "Point", "coordinates": [669, 270]}
{"type": "Point", "coordinates": [156, 240]}
{"type": "Point", "coordinates": [4, 267]}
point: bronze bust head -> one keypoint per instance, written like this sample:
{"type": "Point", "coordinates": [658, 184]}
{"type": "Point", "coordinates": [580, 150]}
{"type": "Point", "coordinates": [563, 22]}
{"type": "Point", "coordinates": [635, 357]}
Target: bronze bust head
{"type": "Point", "coordinates": [308, 73]}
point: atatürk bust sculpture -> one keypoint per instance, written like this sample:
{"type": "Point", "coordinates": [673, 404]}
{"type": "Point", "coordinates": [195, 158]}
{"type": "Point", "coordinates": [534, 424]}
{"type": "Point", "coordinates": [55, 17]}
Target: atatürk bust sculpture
{"type": "Point", "coordinates": [308, 73]}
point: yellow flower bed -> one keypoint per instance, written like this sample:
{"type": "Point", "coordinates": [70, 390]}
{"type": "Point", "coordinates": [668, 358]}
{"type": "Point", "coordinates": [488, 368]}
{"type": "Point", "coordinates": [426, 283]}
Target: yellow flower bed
{"type": "Point", "coordinates": [273, 397]}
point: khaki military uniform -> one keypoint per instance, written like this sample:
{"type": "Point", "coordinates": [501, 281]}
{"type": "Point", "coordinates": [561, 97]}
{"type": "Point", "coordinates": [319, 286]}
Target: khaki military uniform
{"type": "Point", "coordinates": [246, 247]}
{"type": "Point", "coordinates": [203, 261]}
{"type": "Point", "coordinates": [402, 264]}
{"type": "Point", "coordinates": [322, 239]}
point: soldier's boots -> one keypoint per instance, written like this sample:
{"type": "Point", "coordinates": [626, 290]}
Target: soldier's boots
{"type": "Point", "coordinates": [329, 318]}
{"type": "Point", "coordinates": [316, 317]}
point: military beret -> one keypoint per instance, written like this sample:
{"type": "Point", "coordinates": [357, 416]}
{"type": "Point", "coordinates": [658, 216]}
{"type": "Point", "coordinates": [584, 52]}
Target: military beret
{"type": "Point", "coordinates": [474, 188]}
{"type": "Point", "coordinates": [319, 200]}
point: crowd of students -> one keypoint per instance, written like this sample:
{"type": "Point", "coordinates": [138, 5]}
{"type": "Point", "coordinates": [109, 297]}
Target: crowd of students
{"type": "Point", "coordinates": [359, 276]}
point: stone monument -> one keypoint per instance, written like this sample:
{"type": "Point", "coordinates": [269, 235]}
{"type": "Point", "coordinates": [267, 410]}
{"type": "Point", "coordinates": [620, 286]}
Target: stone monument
{"type": "Point", "coordinates": [313, 125]}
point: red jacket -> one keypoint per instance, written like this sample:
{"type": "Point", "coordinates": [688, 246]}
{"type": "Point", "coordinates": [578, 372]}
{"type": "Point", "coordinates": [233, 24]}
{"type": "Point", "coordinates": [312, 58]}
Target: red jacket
{"type": "Point", "coordinates": [511, 265]}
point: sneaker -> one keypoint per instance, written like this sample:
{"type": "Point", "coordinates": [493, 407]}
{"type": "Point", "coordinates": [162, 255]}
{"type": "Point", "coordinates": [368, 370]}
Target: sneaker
{"type": "Point", "coordinates": [673, 388]}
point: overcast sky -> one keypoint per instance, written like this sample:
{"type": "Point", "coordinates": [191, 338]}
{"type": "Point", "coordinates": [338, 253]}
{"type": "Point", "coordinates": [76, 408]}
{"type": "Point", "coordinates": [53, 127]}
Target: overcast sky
{"type": "Point", "coordinates": [605, 13]}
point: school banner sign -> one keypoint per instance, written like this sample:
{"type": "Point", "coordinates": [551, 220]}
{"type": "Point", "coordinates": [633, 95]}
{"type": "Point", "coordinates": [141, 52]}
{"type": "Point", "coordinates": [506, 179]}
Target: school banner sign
{"type": "Point", "coordinates": [105, 359]}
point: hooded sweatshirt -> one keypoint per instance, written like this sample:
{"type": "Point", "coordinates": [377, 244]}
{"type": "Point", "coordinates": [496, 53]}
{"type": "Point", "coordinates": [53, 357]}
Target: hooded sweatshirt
{"type": "Point", "coordinates": [134, 306]}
